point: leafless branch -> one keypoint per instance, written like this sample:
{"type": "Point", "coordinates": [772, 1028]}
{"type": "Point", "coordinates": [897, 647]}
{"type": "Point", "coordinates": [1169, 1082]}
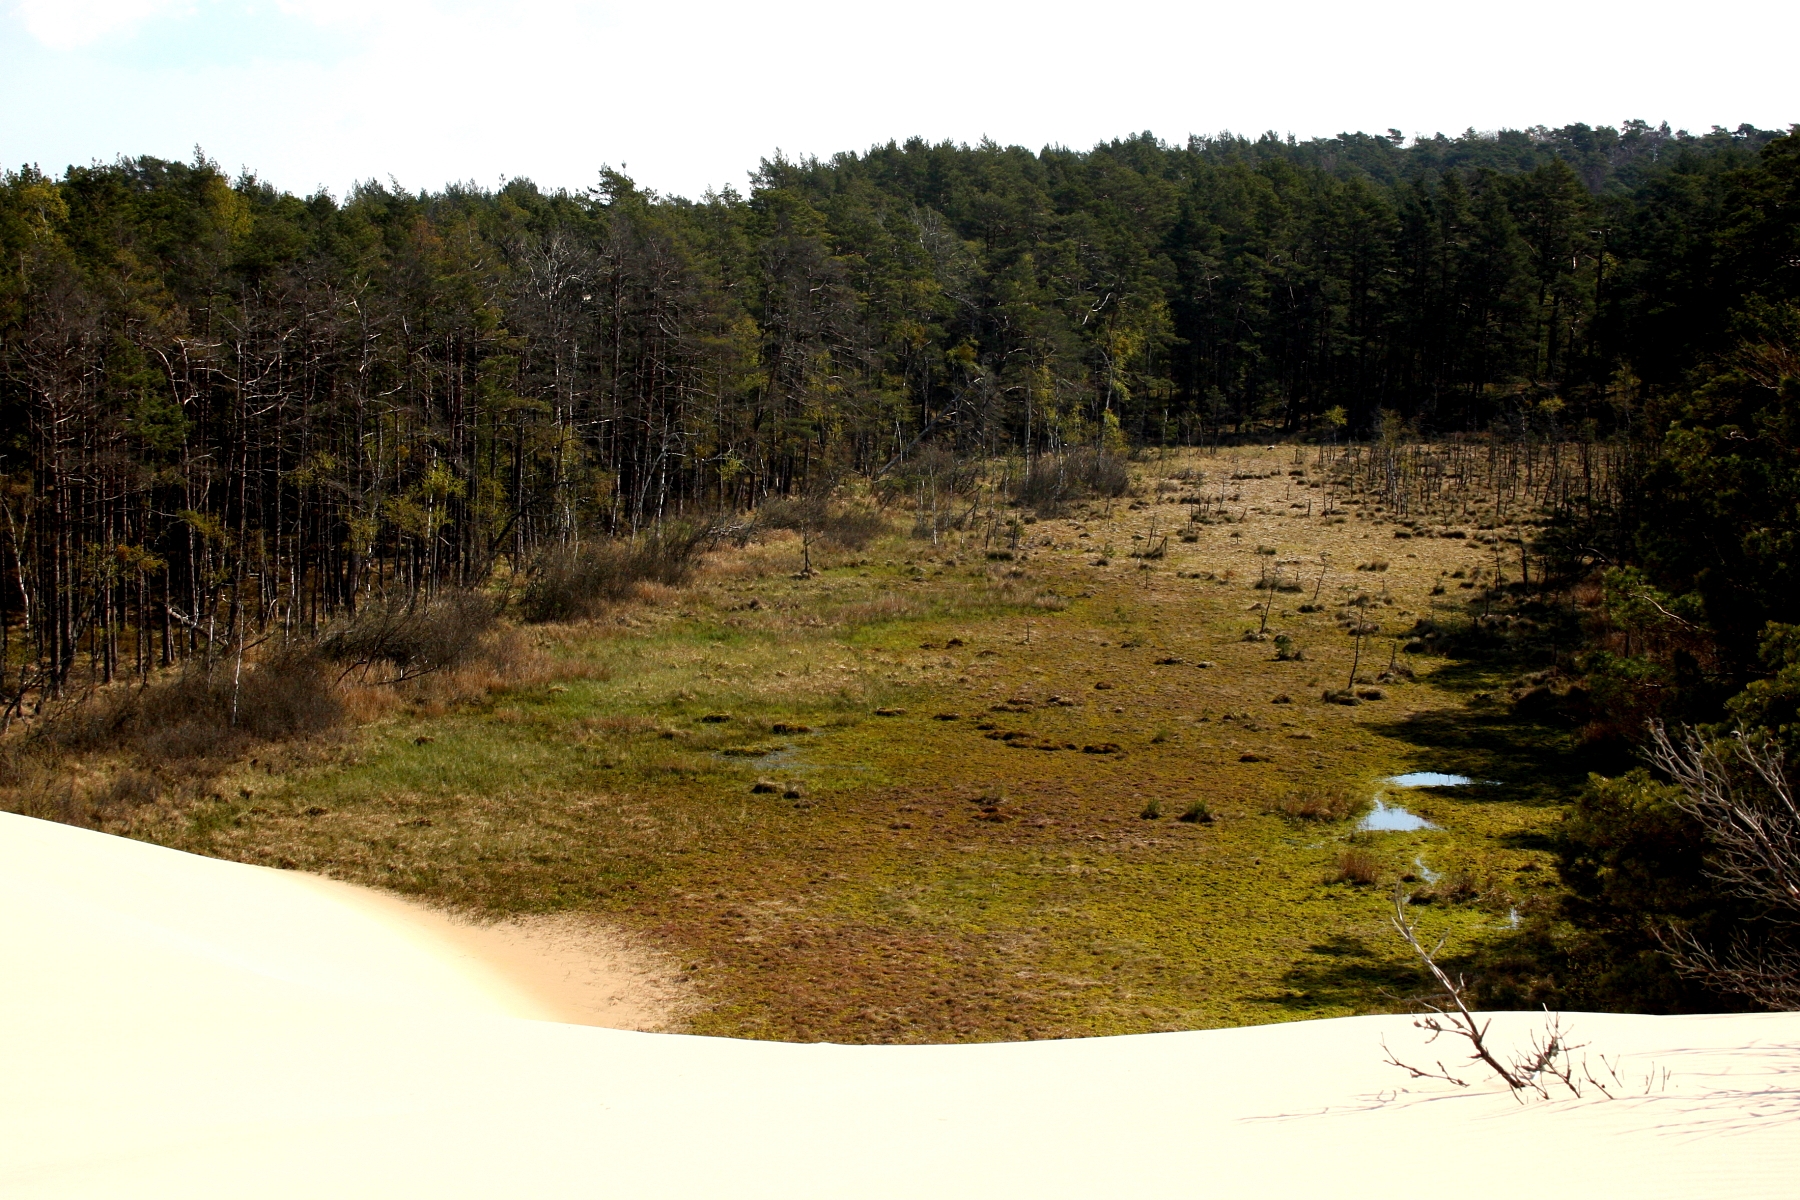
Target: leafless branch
{"type": "Point", "coordinates": [1449, 1009]}
{"type": "Point", "coordinates": [1739, 793]}
{"type": "Point", "coordinates": [1550, 1061]}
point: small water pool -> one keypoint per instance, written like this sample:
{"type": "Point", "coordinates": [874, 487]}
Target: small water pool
{"type": "Point", "coordinates": [1421, 779]}
{"type": "Point", "coordinates": [1391, 818]}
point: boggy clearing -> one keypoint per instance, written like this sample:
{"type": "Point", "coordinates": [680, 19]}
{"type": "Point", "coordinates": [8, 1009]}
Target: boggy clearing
{"type": "Point", "coordinates": [935, 791]}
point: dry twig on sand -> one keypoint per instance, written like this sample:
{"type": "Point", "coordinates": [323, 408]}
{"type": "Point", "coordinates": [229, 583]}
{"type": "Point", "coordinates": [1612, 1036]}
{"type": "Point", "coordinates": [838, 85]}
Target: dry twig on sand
{"type": "Point", "coordinates": [1550, 1062]}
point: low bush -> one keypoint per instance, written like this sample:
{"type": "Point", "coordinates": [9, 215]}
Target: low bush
{"type": "Point", "coordinates": [848, 527]}
{"type": "Point", "coordinates": [577, 582]}
{"type": "Point", "coordinates": [1054, 480]}
{"type": "Point", "coordinates": [1452, 887]}
{"type": "Point", "coordinates": [199, 713]}
{"type": "Point", "coordinates": [932, 469]}
{"type": "Point", "coordinates": [396, 639]}
{"type": "Point", "coordinates": [106, 758]}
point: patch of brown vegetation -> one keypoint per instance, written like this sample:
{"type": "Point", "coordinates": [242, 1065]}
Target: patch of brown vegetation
{"type": "Point", "coordinates": [1318, 804]}
{"type": "Point", "coordinates": [1356, 865]}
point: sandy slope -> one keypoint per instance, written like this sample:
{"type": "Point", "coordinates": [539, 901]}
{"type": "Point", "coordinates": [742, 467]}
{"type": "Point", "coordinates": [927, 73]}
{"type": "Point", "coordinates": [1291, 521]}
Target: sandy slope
{"type": "Point", "coordinates": [177, 1026]}
{"type": "Point", "coordinates": [553, 968]}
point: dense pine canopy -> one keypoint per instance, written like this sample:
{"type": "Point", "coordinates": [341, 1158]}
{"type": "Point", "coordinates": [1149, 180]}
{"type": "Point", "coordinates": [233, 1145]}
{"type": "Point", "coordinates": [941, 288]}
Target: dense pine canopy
{"type": "Point", "coordinates": [223, 405]}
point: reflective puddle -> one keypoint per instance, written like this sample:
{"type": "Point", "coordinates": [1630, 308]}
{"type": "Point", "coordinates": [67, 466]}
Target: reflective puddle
{"type": "Point", "coordinates": [1418, 779]}
{"type": "Point", "coordinates": [1391, 818]}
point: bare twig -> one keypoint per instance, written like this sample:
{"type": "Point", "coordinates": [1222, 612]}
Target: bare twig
{"type": "Point", "coordinates": [1753, 823]}
{"type": "Point", "coordinates": [1551, 1059]}
{"type": "Point", "coordinates": [1450, 1011]}
{"type": "Point", "coordinates": [1737, 790]}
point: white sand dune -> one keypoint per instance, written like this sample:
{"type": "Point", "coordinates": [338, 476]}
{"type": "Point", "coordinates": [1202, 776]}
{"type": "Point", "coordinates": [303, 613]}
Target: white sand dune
{"type": "Point", "coordinates": [176, 1026]}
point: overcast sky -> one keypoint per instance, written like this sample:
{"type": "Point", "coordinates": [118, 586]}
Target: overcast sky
{"type": "Point", "coordinates": [321, 93]}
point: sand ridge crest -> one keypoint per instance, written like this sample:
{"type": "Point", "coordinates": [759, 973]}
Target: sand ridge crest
{"type": "Point", "coordinates": [188, 1027]}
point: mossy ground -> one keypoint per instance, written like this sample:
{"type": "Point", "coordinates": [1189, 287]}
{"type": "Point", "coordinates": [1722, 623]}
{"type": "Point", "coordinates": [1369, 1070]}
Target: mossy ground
{"type": "Point", "coordinates": [932, 882]}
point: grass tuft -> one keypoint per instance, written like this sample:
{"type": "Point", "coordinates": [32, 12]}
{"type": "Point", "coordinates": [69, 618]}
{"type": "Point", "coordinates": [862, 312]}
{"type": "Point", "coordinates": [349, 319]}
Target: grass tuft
{"type": "Point", "coordinates": [1197, 814]}
{"type": "Point", "coordinates": [1319, 804]}
{"type": "Point", "coordinates": [1357, 866]}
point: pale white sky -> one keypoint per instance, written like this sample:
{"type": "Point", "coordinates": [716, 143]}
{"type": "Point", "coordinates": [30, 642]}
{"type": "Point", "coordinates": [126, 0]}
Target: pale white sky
{"type": "Point", "coordinates": [311, 93]}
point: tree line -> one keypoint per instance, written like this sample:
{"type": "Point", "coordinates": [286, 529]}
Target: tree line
{"type": "Point", "coordinates": [225, 408]}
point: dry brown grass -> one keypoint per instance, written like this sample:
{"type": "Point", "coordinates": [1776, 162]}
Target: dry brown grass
{"type": "Point", "coordinates": [1356, 865]}
{"type": "Point", "coordinates": [128, 755]}
{"type": "Point", "coordinates": [1319, 804]}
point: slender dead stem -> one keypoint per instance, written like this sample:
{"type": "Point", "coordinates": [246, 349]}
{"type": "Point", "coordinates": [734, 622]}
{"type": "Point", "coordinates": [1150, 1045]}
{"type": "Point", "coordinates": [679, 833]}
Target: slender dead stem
{"type": "Point", "coordinates": [1550, 1060]}
{"type": "Point", "coordinates": [1450, 1012]}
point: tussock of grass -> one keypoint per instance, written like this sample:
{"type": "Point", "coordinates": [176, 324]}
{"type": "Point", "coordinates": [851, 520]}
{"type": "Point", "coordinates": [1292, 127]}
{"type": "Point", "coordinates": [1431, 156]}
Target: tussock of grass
{"type": "Point", "coordinates": [1319, 804]}
{"type": "Point", "coordinates": [1356, 865]}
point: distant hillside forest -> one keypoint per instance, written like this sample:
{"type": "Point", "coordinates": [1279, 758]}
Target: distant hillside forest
{"type": "Point", "coordinates": [224, 405]}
